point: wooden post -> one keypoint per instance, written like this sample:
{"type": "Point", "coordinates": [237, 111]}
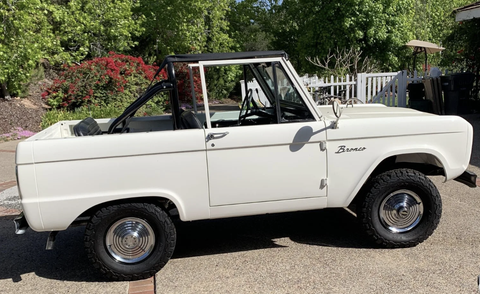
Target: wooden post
{"type": "Point", "coordinates": [6, 94]}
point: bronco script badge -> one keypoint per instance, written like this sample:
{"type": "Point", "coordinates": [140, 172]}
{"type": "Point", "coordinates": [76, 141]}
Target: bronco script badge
{"type": "Point", "coordinates": [343, 148]}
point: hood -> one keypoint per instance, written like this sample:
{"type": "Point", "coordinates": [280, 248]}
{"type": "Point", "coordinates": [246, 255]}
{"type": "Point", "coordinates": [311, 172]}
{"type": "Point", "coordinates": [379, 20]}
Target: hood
{"type": "Point", "coordinates": [371, 111]}
{"type": "Point", "coordinates": [367, 121]}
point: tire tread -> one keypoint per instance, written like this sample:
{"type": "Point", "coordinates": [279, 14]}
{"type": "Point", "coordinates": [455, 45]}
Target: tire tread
{"type": "Point", "coordinates": [379, 184]}
{"type": "Point", "coordinates": [96, 219]}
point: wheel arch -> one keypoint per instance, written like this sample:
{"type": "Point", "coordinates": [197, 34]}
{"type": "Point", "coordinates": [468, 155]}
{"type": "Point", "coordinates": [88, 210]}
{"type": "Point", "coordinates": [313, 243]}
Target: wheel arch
{"type": "Point", "coordinates": [169, 205]}
{"type": "Point", "coordinates": [166, 204]}
{"type": "Point", "coordinates": [189, 206]}
{"type": "Point", "coordinates": [426, 162]}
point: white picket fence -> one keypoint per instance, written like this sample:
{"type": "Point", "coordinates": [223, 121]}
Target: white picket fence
{"type": "Point", "coordinates": [387, 88]}
{"type": "Point", "coordinates": [257, 93]}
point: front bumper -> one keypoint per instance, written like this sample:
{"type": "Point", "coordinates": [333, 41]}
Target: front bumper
{"type": "Point", "coordinates": [468, 178]}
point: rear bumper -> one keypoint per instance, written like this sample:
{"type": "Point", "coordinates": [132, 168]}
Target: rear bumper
{"type": "Point", "coordinates": [468, 178]}
{"type": "Point", "coordinates": [21, 224]}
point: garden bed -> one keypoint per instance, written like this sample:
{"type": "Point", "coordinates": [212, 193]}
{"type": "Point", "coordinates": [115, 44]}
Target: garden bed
{"type": "Point", "coordinates": [25, 113]}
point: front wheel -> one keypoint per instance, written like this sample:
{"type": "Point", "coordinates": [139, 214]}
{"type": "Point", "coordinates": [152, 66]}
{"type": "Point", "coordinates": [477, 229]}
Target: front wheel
{"type": "Point", "coordinates": [401, 208]}
{"type": "Point", "coordinates": [130, 241]}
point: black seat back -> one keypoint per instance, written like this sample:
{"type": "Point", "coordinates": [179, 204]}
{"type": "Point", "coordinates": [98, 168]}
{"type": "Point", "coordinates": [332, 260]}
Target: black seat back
{"type": "Point", "coordinates": [188, 120]}
{"type": "Point", "coordinates": [87, 127]}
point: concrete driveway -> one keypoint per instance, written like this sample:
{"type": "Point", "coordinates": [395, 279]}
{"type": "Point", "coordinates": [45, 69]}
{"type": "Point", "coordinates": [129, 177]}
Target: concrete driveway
{"type": "Point", "coordinates": [307, 252]}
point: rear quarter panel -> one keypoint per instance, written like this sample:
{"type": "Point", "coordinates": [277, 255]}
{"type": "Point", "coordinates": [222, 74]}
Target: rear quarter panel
{"type": "Point", "coordinates": [74, 174]}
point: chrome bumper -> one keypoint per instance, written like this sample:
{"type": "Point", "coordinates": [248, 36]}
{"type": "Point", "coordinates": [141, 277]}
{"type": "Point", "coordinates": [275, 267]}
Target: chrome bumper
{"type": "Point", "coordinates": [21, 224]}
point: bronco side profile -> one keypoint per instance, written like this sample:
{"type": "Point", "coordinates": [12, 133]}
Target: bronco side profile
{"type": "Point", "coordinates": [277, 151]}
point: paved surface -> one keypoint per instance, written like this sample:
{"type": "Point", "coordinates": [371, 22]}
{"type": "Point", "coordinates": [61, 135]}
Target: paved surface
{"type": "Point", "coordinates": [306, 252]}
{"type": "Point", "coordinates": [7, 161]}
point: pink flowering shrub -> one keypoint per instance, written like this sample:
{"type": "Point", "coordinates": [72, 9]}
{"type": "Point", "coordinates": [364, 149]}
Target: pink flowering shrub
{"type": "Point", "coordinates": [116, 80]}
{"type": "Point", "coordinates": [16, 134]}
{"type": "Point", "coordinates": [184, 85]}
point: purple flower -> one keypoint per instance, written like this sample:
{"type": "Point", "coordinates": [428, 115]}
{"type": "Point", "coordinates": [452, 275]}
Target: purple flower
{"type": "Point", "coordinates": [186, 106]}
{"type": "Point", "coordinates": [17, 133]}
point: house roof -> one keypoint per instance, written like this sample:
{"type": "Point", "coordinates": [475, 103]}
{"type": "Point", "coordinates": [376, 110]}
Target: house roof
{"type": "Point", "coordinates": [467, 12]}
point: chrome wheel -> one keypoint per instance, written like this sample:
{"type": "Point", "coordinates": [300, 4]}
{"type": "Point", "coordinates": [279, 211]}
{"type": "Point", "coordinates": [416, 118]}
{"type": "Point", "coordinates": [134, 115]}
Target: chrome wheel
{"type": "Point", "coordinates": [401, 211]}
{"type": "Point", "coordinates": [130, 240]}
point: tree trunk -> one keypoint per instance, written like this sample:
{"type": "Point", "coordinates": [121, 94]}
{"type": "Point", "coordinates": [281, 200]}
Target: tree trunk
{"type": "Point", "coordinates": [6, 94]}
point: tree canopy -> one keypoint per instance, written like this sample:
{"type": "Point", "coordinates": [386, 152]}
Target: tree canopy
{"type": "Point", "coordinates": [26, 36]}
{"type": "Point", "coordinates": [66, 31]}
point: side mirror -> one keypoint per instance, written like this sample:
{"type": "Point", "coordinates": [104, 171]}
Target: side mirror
{"type": "Point", "coordinates": [337, 110]}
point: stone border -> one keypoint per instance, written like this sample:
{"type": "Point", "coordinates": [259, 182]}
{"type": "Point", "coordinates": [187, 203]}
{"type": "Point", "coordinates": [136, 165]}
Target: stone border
{"type": "Point", "coordinates": [7, 185]}
{"type": "Point", "coordinates": [9, 151]}
{"type": "Point", "coordinates": [146, 286]}
{"type": "Point", "coordinates": [8, 212]}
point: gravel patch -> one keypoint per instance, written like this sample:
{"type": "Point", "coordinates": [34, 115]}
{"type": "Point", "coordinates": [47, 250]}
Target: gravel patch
{"type": "Point", "coordinates": [10, 199]}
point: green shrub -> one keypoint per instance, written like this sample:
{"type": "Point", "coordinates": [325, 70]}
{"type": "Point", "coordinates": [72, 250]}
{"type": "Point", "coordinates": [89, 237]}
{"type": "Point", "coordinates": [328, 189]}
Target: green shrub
{"type": "Point", "coordinates": [55, 115]}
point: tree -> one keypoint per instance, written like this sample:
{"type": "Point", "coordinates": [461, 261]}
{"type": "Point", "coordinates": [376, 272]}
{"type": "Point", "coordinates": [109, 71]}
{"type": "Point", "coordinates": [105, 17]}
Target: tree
{"type": "Point", "coordinates": [92, 28]}
{"type": "Point", "coordinates": [248, 21]}
{"type": "Point", "coordinates": [26, 37]}
{"type": "Point", "coordinates": [311, 28]}
{"type": "Point", "coordinates": [434, 22]}
{"type": "Point", "coordinates": [188, 26]}
{"type": "Point", "coordinates": [343, 62]}
{"type": "Point", "coordinates": [464, 45]}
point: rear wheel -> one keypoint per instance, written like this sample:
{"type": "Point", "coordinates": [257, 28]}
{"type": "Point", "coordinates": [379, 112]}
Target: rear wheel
{"type": "Point", "coordinates": [130, 241]}
{"type": "Point", "coordinates": [401, 208]}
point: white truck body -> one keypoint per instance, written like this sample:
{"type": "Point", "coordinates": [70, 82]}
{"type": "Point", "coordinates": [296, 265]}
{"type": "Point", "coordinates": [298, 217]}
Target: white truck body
{"type": "Point", "coordinates": [219, 171]}
{"type": "Point", "coordinates": [61, 176]}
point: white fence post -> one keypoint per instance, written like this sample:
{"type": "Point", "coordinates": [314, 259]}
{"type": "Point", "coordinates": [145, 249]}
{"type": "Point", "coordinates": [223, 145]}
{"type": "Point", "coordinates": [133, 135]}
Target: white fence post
{"type": "Point", "coordinates": [402, 90]}
{"type": "Point", "coordinates": [242, 87]}
{"type": "Point", "coordinates": [361, 83]}
{"type": "Point", "coordinates": [347, 92]}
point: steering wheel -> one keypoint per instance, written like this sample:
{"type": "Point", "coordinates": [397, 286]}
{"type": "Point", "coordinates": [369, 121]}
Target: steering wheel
{"type": "Point", "coordinates": [254, 110]}
{"type": "Point", "coordinates": [352, 101]}
{"type": "Point", "coordinates": [337, 109]}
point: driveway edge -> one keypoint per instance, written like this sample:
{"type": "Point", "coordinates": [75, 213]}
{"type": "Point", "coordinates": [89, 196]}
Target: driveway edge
{"type": "Point", "coordinates": [146, 286]}
{"type": "Point", "coordinates": [7, 185]}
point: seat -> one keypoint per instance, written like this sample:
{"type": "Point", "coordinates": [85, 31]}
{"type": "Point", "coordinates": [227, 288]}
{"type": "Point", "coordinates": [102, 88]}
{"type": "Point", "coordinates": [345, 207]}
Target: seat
{"type": "Point", "coordinates": [87, 127]}
{"type": "Point", "coordinates": [188, 120]}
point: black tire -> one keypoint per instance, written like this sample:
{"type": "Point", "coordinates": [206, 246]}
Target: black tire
{"type": "Point", "coordinates": [143, 242]}
{"type": "Point", "coordinates": [401, 208]}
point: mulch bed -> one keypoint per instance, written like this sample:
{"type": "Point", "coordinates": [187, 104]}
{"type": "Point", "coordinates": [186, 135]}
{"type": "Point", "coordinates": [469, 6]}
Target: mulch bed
{"type": "Point", "coordinates": [25, 113]}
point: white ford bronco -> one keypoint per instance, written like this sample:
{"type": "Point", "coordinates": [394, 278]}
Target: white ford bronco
{"type": "Point", "coordinates": [126, 178]}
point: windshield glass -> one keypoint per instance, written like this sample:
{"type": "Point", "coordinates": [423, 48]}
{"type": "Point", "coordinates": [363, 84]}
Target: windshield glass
{"type": "Point", "coordinates": [292, 106]}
